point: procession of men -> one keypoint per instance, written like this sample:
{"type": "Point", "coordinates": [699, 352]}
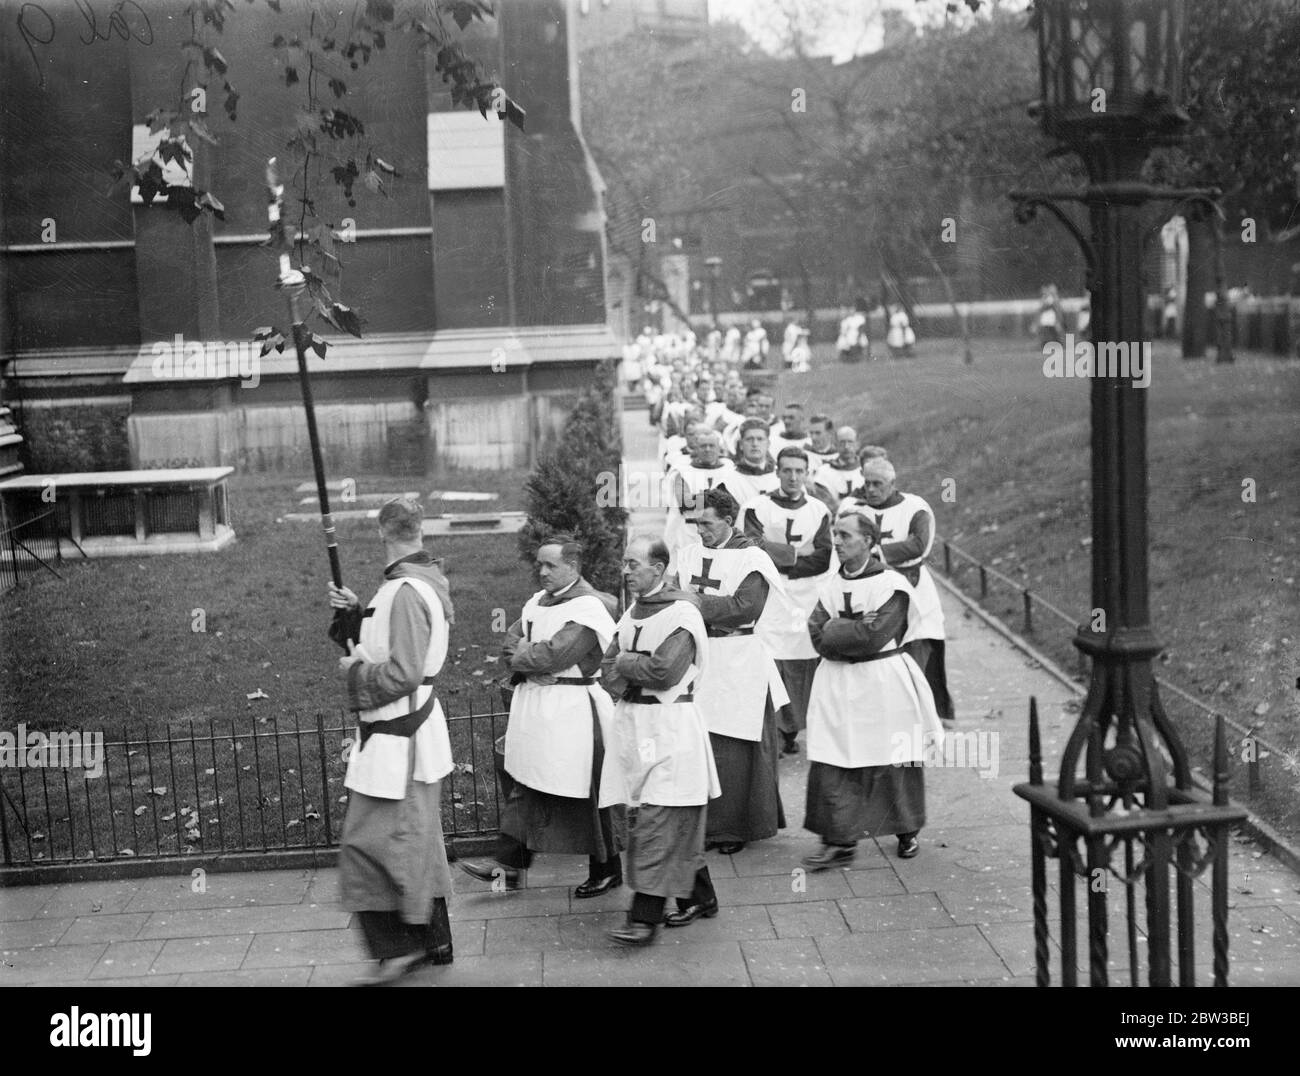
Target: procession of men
{"type": "Point", "coordinates": [785, 596]}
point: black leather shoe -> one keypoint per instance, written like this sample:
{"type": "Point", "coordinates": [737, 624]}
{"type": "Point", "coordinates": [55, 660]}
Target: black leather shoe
{"type": "Point", "coordinates": [440, 956]}
{"type": "Point", "coordinates": [908, 849]}
{"type": "Point", "coordinates": [491, 871]}
{"type": "Point", "coordinates": [594, 887]}
{"type": "Point", "coordinates": [830, 855]}
{"type": "Point", "coordinates": [632, 933]}
{"type": "Point", "coordinates": [691, 913]}
{"type": "Point", "coordinates": [729, 848]}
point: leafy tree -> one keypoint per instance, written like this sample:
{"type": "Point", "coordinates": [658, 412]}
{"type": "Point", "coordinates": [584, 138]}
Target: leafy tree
{"type": "Point", "coordinates": [329, 136]}
{"type": "Point", "coordinates": [1243, 85]}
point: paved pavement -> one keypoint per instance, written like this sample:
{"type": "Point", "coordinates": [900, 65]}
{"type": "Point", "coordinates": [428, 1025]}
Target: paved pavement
{"type": "Point", "coordinates": [959, 913]}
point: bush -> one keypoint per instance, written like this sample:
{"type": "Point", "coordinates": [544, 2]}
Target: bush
{"type": "Point", "coordinates": [561, 492]}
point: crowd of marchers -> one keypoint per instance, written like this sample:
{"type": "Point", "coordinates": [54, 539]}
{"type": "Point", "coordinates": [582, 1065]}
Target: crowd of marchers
{"type": "Point", "coordinates": [785, 597]}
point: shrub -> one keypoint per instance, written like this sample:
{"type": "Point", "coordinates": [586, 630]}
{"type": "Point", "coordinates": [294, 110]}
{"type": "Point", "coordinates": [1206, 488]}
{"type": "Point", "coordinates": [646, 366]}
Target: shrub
{"type": "Point", "coordinates": [561, 491]}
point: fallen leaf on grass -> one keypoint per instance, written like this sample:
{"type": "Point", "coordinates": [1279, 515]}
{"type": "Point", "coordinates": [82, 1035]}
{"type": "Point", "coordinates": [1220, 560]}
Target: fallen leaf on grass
{"type": "Point", "coordinates": [258, 694]}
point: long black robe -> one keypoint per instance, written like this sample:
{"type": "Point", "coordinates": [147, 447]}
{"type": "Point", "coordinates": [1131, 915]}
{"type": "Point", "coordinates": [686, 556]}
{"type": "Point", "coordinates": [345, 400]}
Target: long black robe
{"type": "Point", "coordinates": [541, 821]}
{"type": "Point", "coordinates": [846, 804]}
{"type": "Point", "coordinates": [749, 808]}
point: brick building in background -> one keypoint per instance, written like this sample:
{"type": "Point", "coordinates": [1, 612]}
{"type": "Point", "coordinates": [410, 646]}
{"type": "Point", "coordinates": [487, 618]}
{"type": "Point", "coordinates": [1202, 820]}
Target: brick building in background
{"type": "Point", "coordinates": [480, 275]}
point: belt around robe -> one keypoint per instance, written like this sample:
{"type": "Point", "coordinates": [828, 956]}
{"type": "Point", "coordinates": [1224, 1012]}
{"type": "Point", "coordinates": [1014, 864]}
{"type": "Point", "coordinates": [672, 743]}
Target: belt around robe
{"type": "Point", "coordinates": [728, 633]}
{"type": "Point", "coordinates": [407, 725]}
{"type": "Point", "coordinates": [635, 694]}
{"type": "Point", "coordinates": [575, 681]}
{"type": "Point", "coordinates": [878, 656]}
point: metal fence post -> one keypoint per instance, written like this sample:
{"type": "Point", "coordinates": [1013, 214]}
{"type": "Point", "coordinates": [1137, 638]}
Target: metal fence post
{"type": "Point", "coordinates": [984, 582]}
{"type": "Point", "coordinates": [1029, 612]}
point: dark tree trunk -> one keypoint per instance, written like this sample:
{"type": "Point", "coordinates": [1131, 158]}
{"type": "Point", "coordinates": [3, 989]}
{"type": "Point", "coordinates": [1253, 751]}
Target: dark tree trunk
{"type": "Point", "coordinates": [1224, 315]}
{"type": "Point", "coordinates": [962, 320]}
{"type": "Point", "coordinates": [1200, 279]}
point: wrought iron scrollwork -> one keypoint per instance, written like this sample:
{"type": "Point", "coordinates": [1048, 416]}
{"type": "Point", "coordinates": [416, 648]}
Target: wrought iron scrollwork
{"type": "Point", "coordinates": [1139, 870]}
{"type": "Point", "coordinates": [1027, 205]}
{"type": "Point", "coordinates": [1200, 858]}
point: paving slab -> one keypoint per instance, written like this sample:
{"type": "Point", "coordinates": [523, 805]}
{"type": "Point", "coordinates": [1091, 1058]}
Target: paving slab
{"type": "Point", "coordinates": [220, 890]}
{"type": "Point", "coordinates": [28, 933]}
{"type": "Point", "coordinates": [105, 928]}
{"type": "Point", "coordinates": [221, 953]}
{"type": "Point", "coordinates": [990, 904]}
{"type": "Point", "coordinates": [785, 962]}
{"type": "Point", "coordinates": [517, 969]}
{"type": "Point", "coordinates": [256, 977]}
{"type": "Point", "coordinates": [911, 911]}
{"type": "Point", "coordinates": [877, 883]}
{"type": "Point", "coordinates": [24, 902]}
{"type": "Point", "coordinates": [507, 905]}
{"type": "Point", "coordinates": [709, 964]}
{"type": "Point", "coordinates": [892, 957]}
{"type": "Point", "coordinates": [782, 889]}
{"type": "Point", "coordinates": [19, 967]}
{"type": "Point", "coordinates": [203, 922]}
{"type": "Point", "coordinates": [114, 984]}
{"type": "Point", "coordinates": [89, 898]}
{"type": "Point", "coordinates": [127, 958]}
{"type": "Point", "coordinates": [816, 919]}
{"type": "Point", "coordinates": [305, 947]}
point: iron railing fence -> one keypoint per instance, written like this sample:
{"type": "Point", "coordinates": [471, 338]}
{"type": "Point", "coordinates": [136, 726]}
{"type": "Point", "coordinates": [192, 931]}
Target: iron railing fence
{"type": "Point", "coordinates": [1263, 774]}
{"type": "Point", "coordinates": [28, 543]}
{"type": "Point", "coordinates": [222, 786]}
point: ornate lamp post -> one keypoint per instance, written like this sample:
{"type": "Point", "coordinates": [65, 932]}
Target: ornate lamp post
{"type": "Point", "coordinates": [1111, 82]}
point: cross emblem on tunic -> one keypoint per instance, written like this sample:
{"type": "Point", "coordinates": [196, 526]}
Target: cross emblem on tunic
{"type": "Point", "coordinates": [790, 537]}
{"type": "Point", "coordinates": [880, 523]}
{"type": "Point", "coordinates": [847, 612]}
{"type": "Point", "coordinates": [704, 580]}
{"type": "Point", "coordinates": [636, 638]}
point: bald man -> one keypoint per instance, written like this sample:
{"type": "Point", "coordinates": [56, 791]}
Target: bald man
{"type": "Point", "coordinates": [906, 525]}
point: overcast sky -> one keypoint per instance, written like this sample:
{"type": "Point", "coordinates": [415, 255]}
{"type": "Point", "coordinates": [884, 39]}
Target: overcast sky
{"type": "Point", "coordinates": [837, 28]}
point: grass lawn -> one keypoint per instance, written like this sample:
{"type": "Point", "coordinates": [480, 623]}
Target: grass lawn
{"type": "Point", "coordinates": [114, 647]}
{"type": "Point", "coordinates": [1010, 449]}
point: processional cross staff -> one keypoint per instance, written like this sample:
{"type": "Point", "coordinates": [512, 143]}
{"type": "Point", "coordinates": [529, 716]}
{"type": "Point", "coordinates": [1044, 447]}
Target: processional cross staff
{"type": "Point", "coordinates": [293, 282]}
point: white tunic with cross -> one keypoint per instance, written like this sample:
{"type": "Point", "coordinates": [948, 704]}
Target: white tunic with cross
{"type": "Point", "coordinates": [741, 669]}
{"type": "Point", "coordinates": [659, 752]}
{"type": "Point", "coordinates": [788, 638]}
{"type": "Point", "coordinates": [549, 740]}
{"type": "Point", "coordinates": [677, 531]}
{"type": "Point", "coordinates": [894, 523]}
{"type": "Point", "coordinates": [871, 713]}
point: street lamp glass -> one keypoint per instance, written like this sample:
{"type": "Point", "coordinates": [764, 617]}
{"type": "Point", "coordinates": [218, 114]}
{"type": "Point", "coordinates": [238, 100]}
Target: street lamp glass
{"type": "Point", "coordinates": [1110, 66]}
